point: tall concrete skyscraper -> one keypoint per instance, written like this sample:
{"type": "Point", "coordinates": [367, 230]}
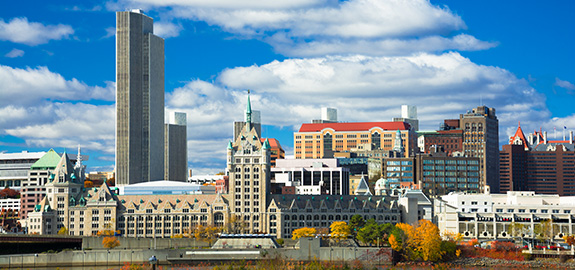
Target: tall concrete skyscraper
{"type": "Point", "coordinates": [176, 147]}
{"type": "Point", "coordinates": [139, 99]}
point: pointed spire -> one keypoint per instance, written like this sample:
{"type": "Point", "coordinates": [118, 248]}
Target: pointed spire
{"type": "Point", "coordinates": [79, 157]}
{"type": "Point", "coordinates": [230, 147]}
{"type": "Point", "coordinates": [249, 113]}
{"type": "Point", "coordinates": [267, 144]}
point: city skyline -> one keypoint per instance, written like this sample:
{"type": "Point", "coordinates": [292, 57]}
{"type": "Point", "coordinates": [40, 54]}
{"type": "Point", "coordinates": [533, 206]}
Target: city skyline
{"type": "Point", "coordinates": [445, 57]}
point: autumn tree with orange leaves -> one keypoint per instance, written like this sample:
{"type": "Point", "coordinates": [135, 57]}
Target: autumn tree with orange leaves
{"type": "Point", "coordinates": [417, 243]}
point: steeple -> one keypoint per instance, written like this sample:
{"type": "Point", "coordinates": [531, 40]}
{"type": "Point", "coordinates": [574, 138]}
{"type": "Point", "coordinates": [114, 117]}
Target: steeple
{"type": "Point", "coordinates": [398, 145]}
{"type": "Point", "coordinates": [249, 113]}
{"type": "Point", "coordinates": [79, 158]}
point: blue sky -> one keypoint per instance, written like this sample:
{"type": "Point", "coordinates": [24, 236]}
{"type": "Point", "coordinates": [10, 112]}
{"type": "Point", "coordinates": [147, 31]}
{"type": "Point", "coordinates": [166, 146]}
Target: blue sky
{"type": "Point", "coordinates": [363, 57]}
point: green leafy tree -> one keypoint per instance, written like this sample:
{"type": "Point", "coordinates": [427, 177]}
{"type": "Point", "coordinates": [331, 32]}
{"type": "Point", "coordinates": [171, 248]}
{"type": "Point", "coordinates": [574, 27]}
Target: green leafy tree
{"type": "Point", "coordinates": [371, 232]}
{"type": "Point", "coordinates": [355, 223]}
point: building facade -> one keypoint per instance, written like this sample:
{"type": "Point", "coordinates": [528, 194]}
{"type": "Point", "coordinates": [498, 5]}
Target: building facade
{"type": "Point", "coordinates": [324, 140]}
{"type": "Point", "coordinates": [310, 176]}
{"type": "Point", "coordinates": [481, 139]}
{"type": "Point", "coordinates": [276, 150]}
{"type": "Point", "coordinates": [493, 216]}
{"type": "Point", "coordinates": [139, 99]}
{"type": "Point", "coordinates": [534, 163]}
{"type": "Point", "coordinates": [176, 148]}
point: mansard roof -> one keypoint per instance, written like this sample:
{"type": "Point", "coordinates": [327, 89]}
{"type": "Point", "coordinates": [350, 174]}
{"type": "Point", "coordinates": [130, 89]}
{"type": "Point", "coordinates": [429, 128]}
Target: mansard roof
{"type": "Point", "coordinates": [291, 201]}
{"type": "Point", "coordinates": [48, 161]}
{"type": "Point", "coordinates": [176, 201]}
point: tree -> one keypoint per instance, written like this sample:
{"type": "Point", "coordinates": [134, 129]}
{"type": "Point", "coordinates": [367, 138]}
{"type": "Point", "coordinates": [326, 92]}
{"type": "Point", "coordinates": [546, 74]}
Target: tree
{"type": "Point", "coordinates": [429, 241]}
{"type": "Point", "coordinates": [9, 193]}
{"type": "Point", "coordinates": [395, 244]}
{"type": "Point", "coordinates": [543, 230]}
{"type": "Point", "coordinates": [111, 182]}
{"type": "Point", "coordinates": [371, 232]}
{"type": "Point", "coordinates": [63, 231]}
{"type": "Point", "coordinates": [236, 224]}
{"type": "Point", "coordinates": [355, 223]}
{"type": "Point", "coordinates": [110, 242]}
{"type": "Point", "coordinates": [303, 232]}
{"type": "Point", "coordinates": [88, 184]}
{"type": "Point", "coordinates": [569, 240]}
{"type": "Point", "coordinates": [206, 233]}
{"type": "Point", "coordinates": [340, 230]}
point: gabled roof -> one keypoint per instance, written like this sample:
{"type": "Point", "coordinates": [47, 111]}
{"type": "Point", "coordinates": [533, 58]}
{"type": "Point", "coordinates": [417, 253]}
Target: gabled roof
{"type": "Point", "coordinates": [48, 161]}
{"type": "Point", "coordinates": [519, 135]}
{"type": "Point", "coordinates": [362, 187]}
{"type": "Point", "coordinates": [64, 169]}
{"type": "Point", "coordinates": [357, 126]}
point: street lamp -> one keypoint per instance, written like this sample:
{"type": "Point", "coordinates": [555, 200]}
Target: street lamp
{"type": "Point", "coordinates": [35, 255]}
{"type": "Point", "coordinates": [153, 261]}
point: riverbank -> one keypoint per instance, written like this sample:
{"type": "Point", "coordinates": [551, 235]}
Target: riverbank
{"type": "Point", "coordinates": [496, 263]}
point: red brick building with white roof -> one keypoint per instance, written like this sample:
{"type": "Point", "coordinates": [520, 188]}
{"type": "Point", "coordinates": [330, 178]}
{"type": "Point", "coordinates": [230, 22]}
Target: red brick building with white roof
{"type": "Point", "coordinates": [322, 140]}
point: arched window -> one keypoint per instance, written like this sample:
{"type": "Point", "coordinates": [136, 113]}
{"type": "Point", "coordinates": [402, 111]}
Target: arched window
{"type": "Point", "coordinates": [376, 140]}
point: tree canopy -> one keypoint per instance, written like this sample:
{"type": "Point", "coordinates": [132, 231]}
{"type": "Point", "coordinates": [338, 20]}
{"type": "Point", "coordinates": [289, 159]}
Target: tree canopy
{"type": "Point", "coordinates": [303, 232]}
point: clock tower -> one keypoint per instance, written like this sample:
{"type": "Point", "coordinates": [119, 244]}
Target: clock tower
{"type": "Point", "coordinates": [248, 167]}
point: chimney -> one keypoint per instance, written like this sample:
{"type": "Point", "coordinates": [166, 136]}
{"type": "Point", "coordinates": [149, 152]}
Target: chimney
{"type": "Point", "coordinates": [545, 137]}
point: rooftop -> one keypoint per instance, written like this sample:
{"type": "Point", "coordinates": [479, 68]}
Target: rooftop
{"type": "Point", "coordinates": [356, 126]}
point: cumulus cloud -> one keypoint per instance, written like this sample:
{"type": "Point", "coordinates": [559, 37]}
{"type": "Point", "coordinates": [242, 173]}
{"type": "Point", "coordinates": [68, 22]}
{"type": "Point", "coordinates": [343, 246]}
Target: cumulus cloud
{"type": "Point", "coordinates": [31, 85]}
{"type": "Point", "coordinates": [362, 88]}
{"type": "Point", "coordinates": [15, 53]}
{"type": "Point", "coordinates": [167, 30]}
{"type": "Point", "coordinates": [20, 30]}
{"type": "Point", "coordinates": [316, 28]}
{"type": "Point", "coordinates": [46, 110]}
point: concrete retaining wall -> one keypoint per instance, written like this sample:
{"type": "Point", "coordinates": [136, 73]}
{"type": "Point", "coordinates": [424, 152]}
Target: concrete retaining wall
{"type": "Point", "coordinates": [145, 243]}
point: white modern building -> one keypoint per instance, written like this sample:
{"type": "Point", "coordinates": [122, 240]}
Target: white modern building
{"type": "Point", "coordinates": [311, 176]}
{"type": "Point", "coordinates": [492, 216]}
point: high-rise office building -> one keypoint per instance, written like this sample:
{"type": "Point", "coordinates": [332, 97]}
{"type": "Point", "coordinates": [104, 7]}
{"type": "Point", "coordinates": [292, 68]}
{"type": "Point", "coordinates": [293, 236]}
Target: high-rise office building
{"type": "Point", "coordinates": [536, 163]}
{"type": "Point", "coordinates": [481, 139]}
{"type": "Point", "coordinates": [176, 148]}
{"type": "Point", "coordinates": [139, 99]}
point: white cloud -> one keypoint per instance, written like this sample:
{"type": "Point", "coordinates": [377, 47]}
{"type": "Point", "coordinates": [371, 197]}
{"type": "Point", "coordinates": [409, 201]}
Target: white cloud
{"type": "Point", "coordinates": [31, 85]}
{"type": "Point", "coordinates": [564, 84]}
{"type": "Point", "coordinates": [167, 30]}
{"type": "Point", "coordinates": [224, 4]}
{"type": "Point", "coordinates": [19, 30]}
{"type": "Point", "coordinates": [15, 53]}
{"type": "Point", "coordinates": [384, 47]}
{"type": "Point", "coordinates": [110, 32]}
{"type": "Point", "coordinates": [291, 92]}
{"type": "Point", "coordinates": [317, 28]}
